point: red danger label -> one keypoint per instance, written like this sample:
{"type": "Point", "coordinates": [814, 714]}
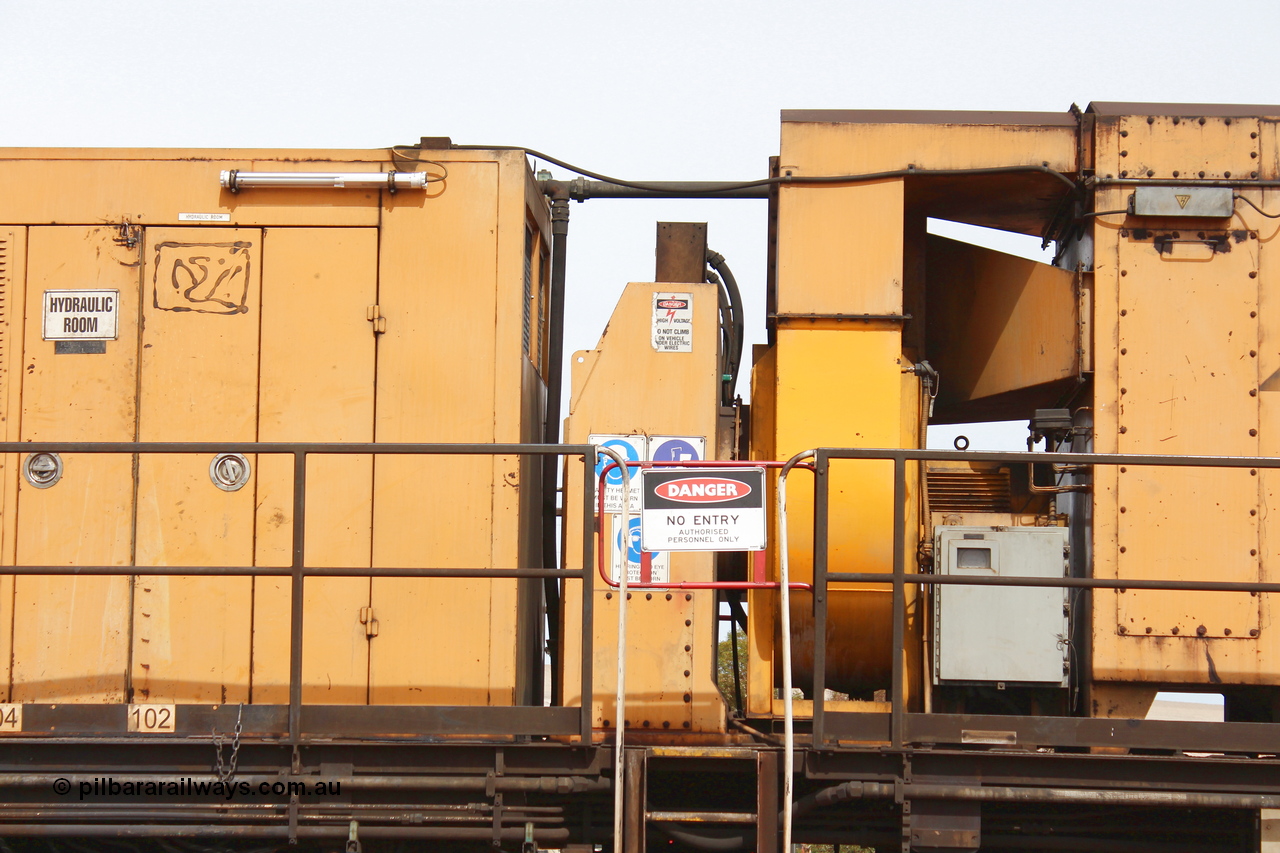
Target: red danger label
{"type": "Point", "coordinates": [673, 303]}
{"type": "Point", "coordinates": [702, 490]}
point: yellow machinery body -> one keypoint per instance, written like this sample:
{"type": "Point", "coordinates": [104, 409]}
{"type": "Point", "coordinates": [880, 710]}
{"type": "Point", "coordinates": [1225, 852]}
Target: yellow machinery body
{"type": "Point", "coordinates": [282, 315]}
{"type": "Point", "coordinates": [627, 387]}
{"type": "Point", "coordinates": [370, 316]}
{"type": "Point", "coordinates": [1164, 321]}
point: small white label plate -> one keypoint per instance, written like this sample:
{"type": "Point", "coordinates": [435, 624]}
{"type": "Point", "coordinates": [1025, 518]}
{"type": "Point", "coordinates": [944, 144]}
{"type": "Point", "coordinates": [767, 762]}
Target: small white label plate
{"type": "Point", "coordinates": [204, 217]}
{"type": "Point", "coordinates": [10, 719]}
{"type": "Point", "coordinates": [151, 719]}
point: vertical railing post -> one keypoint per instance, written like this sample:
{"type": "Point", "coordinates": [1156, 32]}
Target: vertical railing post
{"type": "Point", "coordinates": [297, 598]}
{"type": "Point", "coordinates": [821, 497]}
{"type": "Point", "coordinates": [588, 589]}
{"type": "Point", "coordinates": [899, 597]}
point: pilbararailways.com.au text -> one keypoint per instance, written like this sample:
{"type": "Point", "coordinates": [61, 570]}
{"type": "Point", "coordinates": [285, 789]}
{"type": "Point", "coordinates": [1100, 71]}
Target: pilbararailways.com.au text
{"type": "Point", "coordinates": [105, 786]}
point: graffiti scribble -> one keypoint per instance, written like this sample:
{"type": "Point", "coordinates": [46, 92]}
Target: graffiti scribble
{"type": "Point", "coordinates": [207, 278]}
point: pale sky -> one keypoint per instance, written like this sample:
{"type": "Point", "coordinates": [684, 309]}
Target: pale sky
{"type": "Point", "coordinates": [652, 90]}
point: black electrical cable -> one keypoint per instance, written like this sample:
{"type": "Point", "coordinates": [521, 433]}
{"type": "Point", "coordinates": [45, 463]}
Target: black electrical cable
{"type": "Point", "coordinates": [1255, 207]}
{"type": "Point", "coordinates": [725, 309]}
{"type": "Point", "coordinates": [431, 179]}
{"type": "Point", "coordinates": [738, 322]}
{"type": "Point", "coordinates": [787, 179]}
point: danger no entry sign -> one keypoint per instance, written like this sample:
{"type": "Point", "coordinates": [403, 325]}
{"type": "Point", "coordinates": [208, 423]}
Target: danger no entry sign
{"type": "Point", "coordinates": [702, 509]}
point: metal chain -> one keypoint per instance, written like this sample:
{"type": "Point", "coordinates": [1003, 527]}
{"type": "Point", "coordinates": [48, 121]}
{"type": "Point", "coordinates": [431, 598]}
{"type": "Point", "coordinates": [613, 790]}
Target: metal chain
{"type": "Point", "coordinates": [225, 772]}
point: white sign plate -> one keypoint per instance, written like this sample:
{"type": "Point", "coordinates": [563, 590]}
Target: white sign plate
{"type": "Point", "coordinates": [81, 315]}
{"type": "Point", "coordinates": [673, 322]}
{"type": "Point", "coordinates": [629, 447]}
{"type": "Point", "coordinates": [659, 563]}
{"type": "Point", "coordinates": [702, 509]}
{"type": "Point", "coordinates": [152, 718]}
{"type": "Point", "coordinates": [204, 217]}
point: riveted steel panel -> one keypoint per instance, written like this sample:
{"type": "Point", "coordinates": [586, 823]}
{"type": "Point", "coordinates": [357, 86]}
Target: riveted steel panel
{"type": "Point", "coordinates": [1187, 377]}
{"type": "Point", "coordinates": [1183, 147]}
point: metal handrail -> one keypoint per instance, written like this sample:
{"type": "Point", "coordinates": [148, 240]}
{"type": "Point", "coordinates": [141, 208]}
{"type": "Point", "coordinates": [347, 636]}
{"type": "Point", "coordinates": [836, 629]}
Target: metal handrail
{"type": "Point", "coordinates": [299, 571]}
{"type": "Point", "coordinates": [899, 578]}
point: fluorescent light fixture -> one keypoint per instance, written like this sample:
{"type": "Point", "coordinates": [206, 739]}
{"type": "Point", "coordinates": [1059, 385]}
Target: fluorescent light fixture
{"type": "Point", "coordinates": [236, 180]}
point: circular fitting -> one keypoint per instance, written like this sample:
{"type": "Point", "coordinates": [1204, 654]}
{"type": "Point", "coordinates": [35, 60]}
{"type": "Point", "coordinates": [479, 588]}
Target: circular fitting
{"type": "Point", "coordinates": [42, 470]}
{"type": "Point", "coordinates": [961, 442]}
{"type": "Point", "coordinates": [229, 471]}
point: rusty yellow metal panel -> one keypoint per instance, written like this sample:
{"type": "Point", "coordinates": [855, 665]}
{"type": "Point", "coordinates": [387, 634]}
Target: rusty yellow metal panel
{"type": "Point", "coordinates": [1268, 641]}
{"type": "Point", "coordinates": [71, 635]}
{"type": "Point", "coordinates": [1188, 362]}
{"type": "Point", "coordinates": [436, 367]}
{"type": "Point", "coordinates": [13, 280]}
{"type": "Point", "coordinates": [859, 141]}
{"type": "Point", "coordinates": [843, 142]}
{"type": "Point", "coordinates": [998, 325]}
{"type": "Point", "coordinates": [317, 384]}
{"type": "Point", "coordinates": [840, 249]}
{"type": "Point", "coordinates": [1181, 359]}
{"type": "Point", "coordinates": [624, 386]}
{"type": "Point", "coordinates": [1187, 147]}
{"type": "Point", "coordinates": [762, 603]}
{"type": "Point", "coordinates": [149, 192]}
{"type": "Point", "coordinates": [201, 296]}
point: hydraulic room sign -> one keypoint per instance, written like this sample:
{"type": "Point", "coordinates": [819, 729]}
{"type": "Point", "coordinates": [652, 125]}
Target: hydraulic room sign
{"type": "Point", "coordinates": [80, 315]}
{"type": "Point", "coordinates": [702, 509]}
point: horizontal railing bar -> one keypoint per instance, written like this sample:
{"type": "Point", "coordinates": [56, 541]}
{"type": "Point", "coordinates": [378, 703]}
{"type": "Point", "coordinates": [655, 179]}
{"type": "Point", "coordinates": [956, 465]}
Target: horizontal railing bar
{"type": "Point", "coordinates": [1057, 583]}
{"type": "Point", "coordinates": [286, 571]}
{"type": "Point", "coordinates": [914, 455]}
{"type": "Point", "coordinates": [259, 447]}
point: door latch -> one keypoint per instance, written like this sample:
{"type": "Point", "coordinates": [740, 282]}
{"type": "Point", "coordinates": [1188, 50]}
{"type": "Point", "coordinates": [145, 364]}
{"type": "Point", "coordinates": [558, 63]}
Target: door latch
{"type": "Point", "coordinates": [369, 622]}
{"type": "Point", "coordinates": [375, 317]}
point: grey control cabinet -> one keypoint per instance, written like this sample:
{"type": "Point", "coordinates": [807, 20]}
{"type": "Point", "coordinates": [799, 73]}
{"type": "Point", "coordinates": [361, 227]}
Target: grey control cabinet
{"type": "Point", "coordinates": [1000, 634]}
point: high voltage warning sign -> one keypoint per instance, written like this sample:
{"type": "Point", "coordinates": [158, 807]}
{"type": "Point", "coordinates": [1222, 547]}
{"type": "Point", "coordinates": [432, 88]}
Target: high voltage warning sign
{"type": "Point", "coordinates": [673, 322]}
{"type": "Point", "coordinates": [702, 509]}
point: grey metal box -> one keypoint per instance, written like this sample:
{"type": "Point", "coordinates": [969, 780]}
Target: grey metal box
{"type": "Point", "coordinates": [1000, 633]}
{"type": "Point", "coordinates": [1207, 202]}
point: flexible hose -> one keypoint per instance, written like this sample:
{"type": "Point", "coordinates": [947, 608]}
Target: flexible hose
{"type": "Point", "coordinates": [738, 324]}
{"type": "Point", "coordinates": [789, 734]}
{"type": "Point", "coordinates": [620, 710]}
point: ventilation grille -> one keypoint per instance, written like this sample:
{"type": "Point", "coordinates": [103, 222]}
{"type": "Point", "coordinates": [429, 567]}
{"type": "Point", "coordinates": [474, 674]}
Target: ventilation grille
{"type": "Point", "coordinates": [970, 491]}
{"type": "Point", "coordinates": [528, 292]}
{"type": "Point", "coordinates": [5, 252]}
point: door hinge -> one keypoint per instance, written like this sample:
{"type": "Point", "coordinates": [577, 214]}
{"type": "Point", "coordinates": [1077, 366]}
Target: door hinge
{"type": "Point", "coordinates": [369, 622]}
{"type": "Point", "coordinates": [375, 317]}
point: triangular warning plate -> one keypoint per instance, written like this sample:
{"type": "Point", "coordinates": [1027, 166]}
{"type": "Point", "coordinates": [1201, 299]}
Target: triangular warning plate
{"type": "Point", "coordinates": [1182, 200]}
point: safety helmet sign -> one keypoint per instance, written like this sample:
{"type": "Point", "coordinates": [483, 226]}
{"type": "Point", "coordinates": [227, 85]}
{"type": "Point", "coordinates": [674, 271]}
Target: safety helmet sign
{"type": "Point", "coordinates": [632, 449]}
{"type": "Point", "coordinates": [637, 447]}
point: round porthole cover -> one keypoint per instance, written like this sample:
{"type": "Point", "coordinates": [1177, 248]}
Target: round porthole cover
{"type": "Point", "coordinates": [229, 471]}
{"type": "Point", "coordinates": [43, 469]}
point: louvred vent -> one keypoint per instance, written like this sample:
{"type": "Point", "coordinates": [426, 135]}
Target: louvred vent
{"type": "Point", "coordinates": [969, 491]}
